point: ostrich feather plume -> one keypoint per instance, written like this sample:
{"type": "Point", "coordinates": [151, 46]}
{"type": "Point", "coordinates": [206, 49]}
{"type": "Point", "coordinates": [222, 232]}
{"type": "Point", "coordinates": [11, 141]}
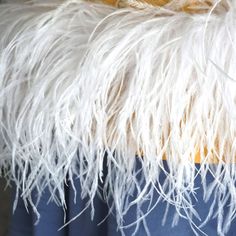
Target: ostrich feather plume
{"type": "Point", "coordinates": [81, 81]}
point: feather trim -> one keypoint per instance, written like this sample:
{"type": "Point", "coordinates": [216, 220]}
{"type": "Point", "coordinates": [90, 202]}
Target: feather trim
{"type": "Point", "coordinates": [81, 80]}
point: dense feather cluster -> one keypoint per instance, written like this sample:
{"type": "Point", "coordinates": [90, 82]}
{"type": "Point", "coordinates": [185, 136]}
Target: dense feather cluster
{"type": "Point", "coordinates": [81, 80]}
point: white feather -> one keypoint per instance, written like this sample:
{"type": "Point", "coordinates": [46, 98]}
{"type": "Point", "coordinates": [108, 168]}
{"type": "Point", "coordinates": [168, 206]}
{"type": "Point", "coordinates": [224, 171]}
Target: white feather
{"type": "Point", "coordinates": [79, 80]}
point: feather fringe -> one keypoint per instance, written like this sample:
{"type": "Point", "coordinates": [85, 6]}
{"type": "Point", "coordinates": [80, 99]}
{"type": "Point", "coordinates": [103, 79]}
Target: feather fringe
{"type": "Point", "coordinates": [80, 81]}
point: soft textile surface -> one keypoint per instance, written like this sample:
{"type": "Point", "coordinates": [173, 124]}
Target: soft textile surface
{"type": "Point", "coordinates": [86, 79]}
{"type": "Point", "coordinates": [191, 6]}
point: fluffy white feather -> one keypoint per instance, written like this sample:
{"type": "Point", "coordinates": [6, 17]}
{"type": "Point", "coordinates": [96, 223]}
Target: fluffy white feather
{"type": "Point", "coordinates": [81, 80]}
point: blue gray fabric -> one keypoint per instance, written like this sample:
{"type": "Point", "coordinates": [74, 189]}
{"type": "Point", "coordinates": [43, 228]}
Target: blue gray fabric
{"type": "Point", "coordinates": [52, 218]}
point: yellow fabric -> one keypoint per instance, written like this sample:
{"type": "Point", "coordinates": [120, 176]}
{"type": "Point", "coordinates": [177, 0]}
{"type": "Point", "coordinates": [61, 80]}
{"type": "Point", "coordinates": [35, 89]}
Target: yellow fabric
{"type": "Point", "coordinates": [190, 6]}
{"type": "Point", "coordinates": [197, 159]}
{"type": "Point", "coordinates": [151, 2]}
{"type": "Point", "coordinates": [110, 2]}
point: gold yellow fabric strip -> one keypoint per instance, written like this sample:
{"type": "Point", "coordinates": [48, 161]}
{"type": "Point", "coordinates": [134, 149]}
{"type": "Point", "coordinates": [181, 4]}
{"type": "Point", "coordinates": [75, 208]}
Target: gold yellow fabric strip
{"type": "Point", "coordinates": [190, 6]}
{"type": "Point", "coordinates": [118, 3]}
{"type": "Point", "coordinates": [210, 160]}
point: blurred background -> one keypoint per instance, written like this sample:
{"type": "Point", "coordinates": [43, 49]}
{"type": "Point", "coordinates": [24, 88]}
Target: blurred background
{"type": "Point", "coordinates": [4, 208]}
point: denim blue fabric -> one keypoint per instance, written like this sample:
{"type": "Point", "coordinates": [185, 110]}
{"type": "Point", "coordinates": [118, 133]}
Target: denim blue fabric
{"type": "Point", "coordinates": [52, 218]}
